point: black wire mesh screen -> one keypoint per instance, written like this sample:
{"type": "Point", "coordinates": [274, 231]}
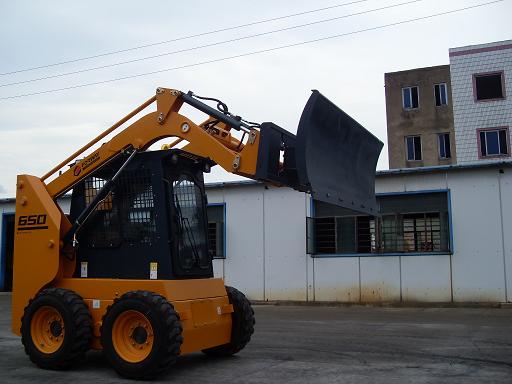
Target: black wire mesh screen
{"type": "Point", "coordinates": [189, 207]}
{"type": "Point", "coordinates": [102, 229]}
{"type": "Point", "coordinates": [126, 214]}
{"type": "Point", "coordinates": [137, 206]}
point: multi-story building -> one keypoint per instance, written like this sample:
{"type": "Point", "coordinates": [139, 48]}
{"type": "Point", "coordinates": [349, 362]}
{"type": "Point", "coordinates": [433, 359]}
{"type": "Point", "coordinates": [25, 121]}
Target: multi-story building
{"type": "Point", "coordinates": [481, 78]}
{"type": "Point", "coordinates": [420, 117]}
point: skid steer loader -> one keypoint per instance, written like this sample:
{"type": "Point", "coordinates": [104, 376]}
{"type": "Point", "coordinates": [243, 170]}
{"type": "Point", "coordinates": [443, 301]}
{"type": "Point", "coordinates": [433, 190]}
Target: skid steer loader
{"type": "Point", "coordinates": [128, 270]}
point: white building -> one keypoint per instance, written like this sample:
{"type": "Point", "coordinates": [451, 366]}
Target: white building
{"type": "Point", "coordinates": [444, 235]}
{"type": "Point", "coordinates": [481, 79]}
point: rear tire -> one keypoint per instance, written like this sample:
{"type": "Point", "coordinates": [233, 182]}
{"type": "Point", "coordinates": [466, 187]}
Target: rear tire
{"type": "Point", "coordinates": [242, 325]}
{"type": "Point", "coordinates": [141, 335]}
{"type": "Point", "coordinates": [56, 328]}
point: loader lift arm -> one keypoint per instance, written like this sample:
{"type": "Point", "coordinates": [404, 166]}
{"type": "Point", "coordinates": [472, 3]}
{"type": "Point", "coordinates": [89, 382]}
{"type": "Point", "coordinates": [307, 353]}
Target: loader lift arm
{"type": "Point", "coordinates": [217, 144]}
{"type": "Point", "coordinates": [332, 157]}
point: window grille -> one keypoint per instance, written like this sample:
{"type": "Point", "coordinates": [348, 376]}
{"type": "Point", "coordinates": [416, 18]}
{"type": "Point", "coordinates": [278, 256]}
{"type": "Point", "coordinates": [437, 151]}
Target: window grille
{"type": "Point", "coordinates": [187, 198]}
{"type": "Point", "coordinates": [216, 227]}
{"type": "Point", "coordinates": [102, 228]}
{"type": "Point", "coordinates": [402, 228]}
{"type": "Point", "coordinates": [126, 214]}
{"type": "Point", "coordinates": [138, 207]}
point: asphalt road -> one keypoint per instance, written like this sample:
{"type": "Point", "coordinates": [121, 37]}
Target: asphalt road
{"type": "Point", "coordinates": [299, 344]}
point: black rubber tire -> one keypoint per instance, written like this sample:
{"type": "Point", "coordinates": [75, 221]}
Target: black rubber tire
{"type": "Point", "coordinates": [77, 324]}
{"type": "Point", "coordinates": [242, 325]}
{"type": "Point", "coordinates": [166, 328]}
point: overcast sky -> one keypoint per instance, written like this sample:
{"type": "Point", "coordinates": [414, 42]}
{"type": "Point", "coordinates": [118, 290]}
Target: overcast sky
{"type": "Point", "coordinates": [37, 132]}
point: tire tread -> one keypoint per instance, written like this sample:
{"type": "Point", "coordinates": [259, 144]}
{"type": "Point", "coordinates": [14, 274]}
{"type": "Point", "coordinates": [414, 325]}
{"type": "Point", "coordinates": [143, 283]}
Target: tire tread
{"type": "Point", "coordinates": [167, 355]}
{"type": "Point", "coordinates": [82, 323]}
{"type": "Point", "coordinates": [242, 327]}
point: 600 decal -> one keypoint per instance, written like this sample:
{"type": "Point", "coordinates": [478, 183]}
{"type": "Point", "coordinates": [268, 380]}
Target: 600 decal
{"type": "Point", "coordinates": [32, 222]}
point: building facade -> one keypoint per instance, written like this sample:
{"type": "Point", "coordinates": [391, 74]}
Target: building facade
{"type": "Point", "coordinates": [443, 236]}
{"type": "Point", "coordinates": [481, 77]}
{"type": "Point", "coordinates": [420, 117]}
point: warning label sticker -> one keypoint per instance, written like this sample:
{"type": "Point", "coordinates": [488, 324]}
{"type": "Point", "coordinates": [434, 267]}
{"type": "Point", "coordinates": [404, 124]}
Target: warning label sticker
{"type": "Point", "coordinates": [83, 269]}
{"type": "Point", "coordinates": [153, 271]}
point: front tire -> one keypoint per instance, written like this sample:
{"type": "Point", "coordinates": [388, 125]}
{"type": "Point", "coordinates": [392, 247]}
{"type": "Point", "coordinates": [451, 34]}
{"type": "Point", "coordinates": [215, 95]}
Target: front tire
{"type": "Point", "coordinates": [242, 325]}
{"type": "Point", "coordinates": [141, 335]}
{"type": "Point", "coordinates": [56, 328]}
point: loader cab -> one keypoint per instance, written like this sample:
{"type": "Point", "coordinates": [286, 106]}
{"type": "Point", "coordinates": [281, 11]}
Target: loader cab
{"type": "Point", "coordinates": [153, 223]}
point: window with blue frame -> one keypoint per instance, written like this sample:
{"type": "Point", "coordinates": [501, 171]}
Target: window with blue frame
{"type": "Point", "coordinates": [494, 142]}
{"type": "Point", "coordinates": [445, 151]}
{"type": "Point", "coordinates": [440, 94]}
{"type": "Point", "coordinates": [410, 97]}
{"type": "Point", "coordinates": [6, 251]}
{"type": "Point", "coordinates": [409, 223]}
{"type": "Point", "coordinates": [413, 148]}
{"type": "Point", "coordinates": [216, 230]}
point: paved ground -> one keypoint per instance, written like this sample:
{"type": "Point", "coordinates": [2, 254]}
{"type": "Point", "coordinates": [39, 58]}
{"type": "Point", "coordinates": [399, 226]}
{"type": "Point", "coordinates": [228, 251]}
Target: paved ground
{"type": "Point", "coordinates": [323, 345]}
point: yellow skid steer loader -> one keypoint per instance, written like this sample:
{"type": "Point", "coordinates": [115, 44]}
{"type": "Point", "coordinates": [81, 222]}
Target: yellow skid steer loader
{"type": "Point", "coordinates": [128, 270]}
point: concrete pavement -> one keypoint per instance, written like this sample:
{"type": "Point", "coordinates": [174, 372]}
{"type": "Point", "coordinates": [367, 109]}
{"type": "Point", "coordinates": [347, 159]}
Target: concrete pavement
{"type": "Point", "coordinates": [301, 344]}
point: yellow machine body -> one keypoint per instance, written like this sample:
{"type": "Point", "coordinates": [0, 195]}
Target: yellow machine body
{"type": "Point", "coordinates": [44, 258]}
{"type": "Point", "coordinates": [202, 304]}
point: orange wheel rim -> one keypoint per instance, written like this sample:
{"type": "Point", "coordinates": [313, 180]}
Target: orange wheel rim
{"type": "Point", "coordinates": [47, 330]}
{"type": "Point", "coordinates": [132, 336]}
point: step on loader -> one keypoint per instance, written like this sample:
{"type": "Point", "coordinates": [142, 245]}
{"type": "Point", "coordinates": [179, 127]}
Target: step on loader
{"type": "Point", "coordinates": [128, 270]}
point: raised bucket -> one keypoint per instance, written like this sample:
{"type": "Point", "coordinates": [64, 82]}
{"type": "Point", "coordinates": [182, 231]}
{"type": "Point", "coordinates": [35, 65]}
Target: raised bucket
{"type": "Point", "coordinates": [333, 157]}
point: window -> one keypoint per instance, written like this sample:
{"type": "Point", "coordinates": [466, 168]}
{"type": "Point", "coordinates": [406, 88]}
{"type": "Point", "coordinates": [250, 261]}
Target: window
{"type": "Point", "coordinates": [7, 252]}
{"type": "Point", "coordinates": [127, 214]}
{"type": "Point", "coordinates": [409, 223]}
{"type": "Point", "coordinates": [413, 146]}
{"type": "Point", "coordinates": [216, 230]}
{"type": "Point", "coordinates": [103, 227]}
{"type": "Point", "coordinates": [189, 205]}
{"type": "Point", "coordinates": [493, 142]}
{"type": "Point", "coordinates": [444, 146]}
{"type": "Point", "coordinates": [489, 86]}
{"type": "Point", "coordinates": [410, 97]}
{"type": "Point", "coordinates": [136, 202]}
{"type": "Point", "coordinates": [440, 94]}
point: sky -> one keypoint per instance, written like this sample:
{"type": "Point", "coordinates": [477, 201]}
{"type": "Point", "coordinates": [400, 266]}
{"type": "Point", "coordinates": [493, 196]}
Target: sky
{"type": "Point", "coordinates": [39, 131]}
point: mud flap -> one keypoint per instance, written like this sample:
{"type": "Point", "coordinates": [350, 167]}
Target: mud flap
{"type": "Point", "coordinates": [332, 157]}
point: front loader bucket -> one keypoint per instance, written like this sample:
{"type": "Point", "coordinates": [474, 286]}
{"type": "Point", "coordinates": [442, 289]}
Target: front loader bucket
{"type": "Point", "coordinates": [336, 156]}
{"type": "Point", "coordinates": [332, 157]}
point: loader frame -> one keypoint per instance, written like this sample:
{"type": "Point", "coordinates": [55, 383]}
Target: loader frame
{"type": "Point", "coordinates": [41, 226]}
{"type": "Point", "coordinates": [45, 259]}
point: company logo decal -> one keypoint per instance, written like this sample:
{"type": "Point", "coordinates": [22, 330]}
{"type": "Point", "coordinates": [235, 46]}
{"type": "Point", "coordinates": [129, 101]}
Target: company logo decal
{"type": "Point", "coordinates": [86, 163]}
{"type": "Point", "coordinates": [32, 222]}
